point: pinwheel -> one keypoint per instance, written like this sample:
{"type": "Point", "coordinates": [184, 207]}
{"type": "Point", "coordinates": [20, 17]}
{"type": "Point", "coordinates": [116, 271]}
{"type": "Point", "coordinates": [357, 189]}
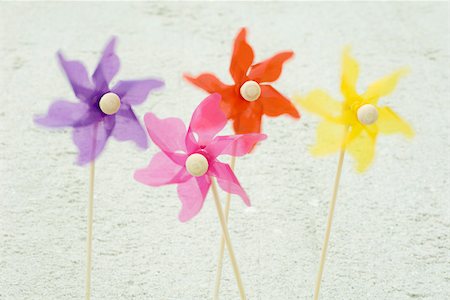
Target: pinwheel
{"type": "Point", "coordinates": [352, 125]}
{"type": "Point", "coordinates": [251, 95]}
{"type": "Point", "coordinates": [245, 101]}
{"type": "Point", "coordinates": [101, 112]}
{"type": "Point", "coordinates": [189, 158]}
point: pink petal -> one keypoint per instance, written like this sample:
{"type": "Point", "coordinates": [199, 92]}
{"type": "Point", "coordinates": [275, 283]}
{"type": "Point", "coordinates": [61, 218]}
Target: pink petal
{"type": "Point", "coordinates": [128, 127]}
{"type": "Point", "coordinates": [208, 119]}
{"type": "Point", "coordinates": [227, 180]}
{"type": "Point", "coordinates": [192, 194]}
{"type": "Point", "coordinates": [168, 134]}
{"type": "Point", "coordinates": [107, 67]}
{"type": "Point", "coordinates": [234, 145]}
{"type": "Point", "coordinates": [135, 92]}
{"type": "Point", "coordinates": [63, 113]}
{"type": "Point", "coordinates": [161, 171]}
{"type": "Point", "coordinates": [78, 78]}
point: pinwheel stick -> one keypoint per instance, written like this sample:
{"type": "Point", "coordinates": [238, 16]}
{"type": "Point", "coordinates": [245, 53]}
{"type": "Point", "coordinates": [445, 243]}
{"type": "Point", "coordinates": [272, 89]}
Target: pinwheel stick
{"type": "Point", "coordinates": [90, 218]}
{"type": "Point", "coordinates": [222, 240]}
{"type": "Point", "coordinates": [226, 235]}
{"type": "Point", "coordinates": [89, 231]}
{"type": "Point", "coordinates": [323, 256]}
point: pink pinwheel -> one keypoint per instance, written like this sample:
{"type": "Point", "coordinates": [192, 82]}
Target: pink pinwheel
{"type": "Point", "coordinates": [189, 158]}
{"type": "Point", "coordinates": [102, 111]}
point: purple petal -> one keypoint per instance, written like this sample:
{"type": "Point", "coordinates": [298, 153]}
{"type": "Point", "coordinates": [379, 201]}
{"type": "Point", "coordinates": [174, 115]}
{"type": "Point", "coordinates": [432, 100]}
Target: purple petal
{"type": "Point", "coordinates": [192, 194]}
{"type": "Point", "coordinates": [78, 78]}
{"type": "Point", "coordinates": [208, 119]}
{"type": "Point", "coordinates": [107, 67]}
{"type": "Point", "coordinates": [91, 139]}
{"type": "Point", "coordinates": [93, 115]}
{"type": "Point", "coordinates": [128, 127]}
{"type": "Point", "coordinates": [168, 134]}
{"type": "Point", "coordinates": [234, 145]}
{"type": "Point", "coordinates": [161, 171]}
{"type": "Point", "coordinates": [227, 180]}
{"type": "Point", "coordinates": [62, 114]}
{"type": "Point", "coordinates": [135, 92]}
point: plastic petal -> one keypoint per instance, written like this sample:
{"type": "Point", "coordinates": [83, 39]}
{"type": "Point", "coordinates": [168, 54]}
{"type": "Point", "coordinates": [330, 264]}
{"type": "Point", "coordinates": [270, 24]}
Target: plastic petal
{"type": "Point", "coordinates": [107, 67]}
{"type": "Point", "coordinates": [383, 86]}
{"type": "Point", "coordinates": [91, 139]}
{"type": "Point", "coordinates": [270, 69]}
{"type": "Point", "coordinates": [208, 119]}
{"type": "Point", "coordinates": [192, 194]}
{"type": "Point", "coordinates": [232, 103]}
{"type": "Point", "coordinates": [161, 171]}
{"type": "Point", "coordinates": [275, 104]}
{"type": "Point", "coordinates": [350, 72]}
{"type": "Point", "coordinates": [320, 103]}
{"type": "Point", "coordinates": [168, 134]}
{"type": "Point", "coordinates": [234, 145]}
{"type": "Point", "coordinates": [207, 81]}
{"type": "Point", "coordinates": [128, 127]}
{"type": "Point", "coordinates": [389, 122]}
{"type": "Point", "coordinates": [135, 92]}
{"type": "Point", "coordinates": [242, 57]}
{"type": "Point", "coordinates": [62, 114]}
{"type": "Point", "coordinates": [228, 181]}
{"type": "Point", "coordinates": [249, 121]}
{"type": "Point", "coordinates": [78, 78]}
{"type": "Point", "coordinates": [330, 137]}
{"type": "Point", "coordinates": [362, 149]}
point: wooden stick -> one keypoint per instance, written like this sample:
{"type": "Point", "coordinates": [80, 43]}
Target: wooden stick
{"type": "Point", "coordinates": [89, 231]}
{"type": "Point", "coordinates": [90, 217]}
{"type": "Point", "coordinates": [222, 240]}
{"type": "Point", "coordinates": [330, 218]}
{"type": "Point", "coordinates": [226, 234]}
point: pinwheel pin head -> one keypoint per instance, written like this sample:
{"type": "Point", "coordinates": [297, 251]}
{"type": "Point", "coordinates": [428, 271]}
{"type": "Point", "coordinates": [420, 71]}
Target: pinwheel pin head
{"type": "Point", "coordinates": [367, 114]}
{"type": "Point", "coordinates": [250, 91]}
{"type": "Point", "coordinates": [109, 103]}
{"type": "Point", "coordinates": [197, 165]}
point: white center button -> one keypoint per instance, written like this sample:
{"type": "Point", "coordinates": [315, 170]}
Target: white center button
{"type": "Point", "coordinates": [197, 165]}
{"type": "Point", "coordinates": [367, 114]}
{"type": "Point", "coordinates": [250, 90]}
{"type": "Point", "coordinates": [109, 103]}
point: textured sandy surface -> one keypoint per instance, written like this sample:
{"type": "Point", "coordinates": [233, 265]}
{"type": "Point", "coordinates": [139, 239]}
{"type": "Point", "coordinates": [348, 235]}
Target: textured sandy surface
{"type": "Point", "coordinates": [391, 232]}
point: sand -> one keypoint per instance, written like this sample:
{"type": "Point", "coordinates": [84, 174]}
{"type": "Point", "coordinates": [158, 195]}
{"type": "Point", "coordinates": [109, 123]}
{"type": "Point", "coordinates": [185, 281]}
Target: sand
{"type": "Point", "coordinates": [390, 238]}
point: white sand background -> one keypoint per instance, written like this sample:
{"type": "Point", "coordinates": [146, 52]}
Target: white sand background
{"type": "Point", "coordinates": [390, 238]}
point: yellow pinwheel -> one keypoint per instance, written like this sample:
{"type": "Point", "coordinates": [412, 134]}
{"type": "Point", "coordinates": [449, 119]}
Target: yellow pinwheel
{"type": "Point", "coordinates": [352, 125]}
{"type": "Point", "coordinates": [358, 117]}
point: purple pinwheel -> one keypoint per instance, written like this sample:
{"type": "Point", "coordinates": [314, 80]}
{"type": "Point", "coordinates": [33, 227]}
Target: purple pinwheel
{"type": "Point", "coordinates": [102, 111]}
{"type": "Point", "coordinates": [189, 158]}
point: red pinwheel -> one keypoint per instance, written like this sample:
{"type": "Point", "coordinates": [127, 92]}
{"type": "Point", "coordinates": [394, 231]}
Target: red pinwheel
{"type": "Point", "coordinates": [251, 95]}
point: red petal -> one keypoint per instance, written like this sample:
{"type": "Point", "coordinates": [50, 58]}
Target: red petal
{"type": "Point", "coordinates": [248, 121]}
{"type": "Point", "coordinates": [232, 104]}
{"type": "Point", "coordinates": [275, 104]}
{"type": "Point", "coordinates": [208, 82]}
{"type": "Point", "coordinates": [270, 69]}
{"type": "Point", "coordinates": [242, 57]}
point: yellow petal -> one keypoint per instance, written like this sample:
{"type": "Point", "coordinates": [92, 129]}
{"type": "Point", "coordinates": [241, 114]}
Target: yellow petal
{"type": "Point", "coordinates": [329, 138]}
{"type": "Point", "coordinates": [389, 122]}
{"type": "Point", "coordinates": [383, 86]}
{"type": "Point", "coordinates": [319, 102]}
{"type": "Point", "coordinates": [352, 134]}
{"type": "Point", "coordinates": [362, 149]}
{"type": "Point", "coordinates": [350, 71]}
